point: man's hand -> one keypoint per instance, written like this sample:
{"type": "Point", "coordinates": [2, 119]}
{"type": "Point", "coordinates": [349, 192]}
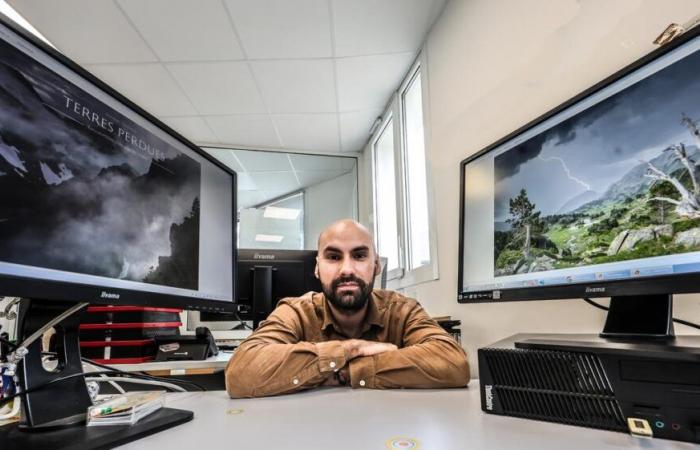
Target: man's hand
{"type": "Point", "coordinates": [358, 347]}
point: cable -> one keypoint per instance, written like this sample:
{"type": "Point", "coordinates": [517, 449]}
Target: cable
{"type": "Point", "coordinates": [604, 308]}
{"type": "Point", "coordinates": [687, 324]}
{"type": "Point", "coordinates": [144, 376]}
{"type": "Point", "coordinates": [132, 374]}
{"type": "Point", "coordinates": [111, 371]}
{"type": "Point", "coordinates": [112, 383]}
{"type": "Point", "coordinates": [138, 375]}
{"type": "Point", "coordinates": [105, 378]}
{"type": "Point", "coordinates": [54, 381]}
{"type": "Point", "coordinates": [7, 399]}
{"type": "Point", "coordinates": [245, 325]}
{"type": "Point", "coordinates": [597, 305]}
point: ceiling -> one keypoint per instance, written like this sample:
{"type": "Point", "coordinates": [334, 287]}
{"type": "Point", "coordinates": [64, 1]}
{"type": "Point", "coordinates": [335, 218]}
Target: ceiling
{"type": "Point", "coordinates": [303, 75]}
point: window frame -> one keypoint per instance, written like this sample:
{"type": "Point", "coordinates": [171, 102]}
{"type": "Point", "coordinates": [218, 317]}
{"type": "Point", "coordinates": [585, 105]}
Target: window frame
{"type": "Point", "coordinates": [405, 277]}
{"type": "Point", "coordinates": [383, 127]}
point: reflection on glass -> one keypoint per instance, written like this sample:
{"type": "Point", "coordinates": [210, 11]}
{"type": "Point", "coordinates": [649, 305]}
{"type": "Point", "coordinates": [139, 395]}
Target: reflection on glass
{"type": "Point", "coordinates": [275, 225]}
{"type": "Point", "coordinates": [286, 199]}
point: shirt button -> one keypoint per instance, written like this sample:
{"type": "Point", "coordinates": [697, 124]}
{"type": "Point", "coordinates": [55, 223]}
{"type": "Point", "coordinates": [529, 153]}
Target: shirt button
{"type": "Point", "coordinates": [295, 381]}
{"type": "Point", "coordinates": [362, 382]}
{"type": "Point", "coordinates": [332, 364]}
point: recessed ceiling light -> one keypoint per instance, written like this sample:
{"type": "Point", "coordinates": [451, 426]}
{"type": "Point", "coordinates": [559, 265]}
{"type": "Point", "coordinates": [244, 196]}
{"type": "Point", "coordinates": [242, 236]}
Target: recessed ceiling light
{"type": "Point", "coordinates": [268, 238]}
{"type": "Point", "coordinates": [274, 212]}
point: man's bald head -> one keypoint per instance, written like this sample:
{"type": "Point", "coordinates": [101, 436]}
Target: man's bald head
{"type": "Point", "coordinates": [347, 264]}
{"type": "Point", "coordinates": [344, 227]}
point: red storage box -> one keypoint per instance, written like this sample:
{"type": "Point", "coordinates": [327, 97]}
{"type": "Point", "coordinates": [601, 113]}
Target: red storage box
{"type": "Point", "coordinates": [119, 352]}
{"type": "Point", "coordinates": [124, 334]}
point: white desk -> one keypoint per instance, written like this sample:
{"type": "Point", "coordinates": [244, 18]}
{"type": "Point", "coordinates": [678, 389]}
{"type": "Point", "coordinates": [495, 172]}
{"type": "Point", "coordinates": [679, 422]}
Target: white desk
{"type": "Point", "coordinates": [342, 418]}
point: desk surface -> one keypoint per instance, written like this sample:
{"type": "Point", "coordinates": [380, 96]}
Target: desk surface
{"type": "Point", "coordinates": [342, 418]}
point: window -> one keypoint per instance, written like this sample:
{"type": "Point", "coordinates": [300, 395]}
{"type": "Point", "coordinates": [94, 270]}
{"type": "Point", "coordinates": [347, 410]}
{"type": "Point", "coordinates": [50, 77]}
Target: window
{"type": "Point", "coordinates": [385, 199]}
{"type": "Point", "coordinates": [418, 228]}
{"type": "Point", "coordinates": [403, 216]}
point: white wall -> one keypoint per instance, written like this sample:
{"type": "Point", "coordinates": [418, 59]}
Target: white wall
{"type": "Point", "coordinates": [492, 66]}
{"type": "Point", "coordinates": [327, 202]}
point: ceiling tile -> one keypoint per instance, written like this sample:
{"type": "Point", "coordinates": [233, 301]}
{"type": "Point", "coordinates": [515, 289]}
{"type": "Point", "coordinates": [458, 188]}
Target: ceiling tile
{"type": "Point", "coordinates": [283, 29]}
{"type": "Point", "coordinates": [355, 127]}
{"type": "Point", "coordinates": [193, 128]}
{"type": "Point", "coordinates": [321, 162]}
{"type": "Point", "coordinates": [260, 161]}
{"type": "Point", "coordinates": [296, 86]}
{"type": "Point", "coordinates": [87, 31]}
{"type": "Point", "coordinates": [183, 30]}
{"type": "Point", "coordinates": [219, 87]}
{"type": "Point", "coordinates": [227, 157]}
{"type": "Point", "coordinates": [370, 27]}
{"type": "Point", "coordinates": [244, 130]}
{"type": "Point", "coordinates": [308, 131]}
{"type": "Point", "coordinates": [148, 85]}
{"type": "Point", "coordinates": [367, 82]}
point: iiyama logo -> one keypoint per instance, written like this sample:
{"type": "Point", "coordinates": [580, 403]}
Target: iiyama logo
{"type": "Point", "coordinates": [261, 256]}
{"type": "Point", "coordinates": [488, 389]}
{"type": "Point", "coordinates": [594, 289]}
{"type": "Point", "coordinates": [109, 295]}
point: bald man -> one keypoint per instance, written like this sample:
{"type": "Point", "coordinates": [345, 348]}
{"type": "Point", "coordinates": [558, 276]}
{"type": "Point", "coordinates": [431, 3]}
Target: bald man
{"type": "Point", "coordinates": [350, 334]}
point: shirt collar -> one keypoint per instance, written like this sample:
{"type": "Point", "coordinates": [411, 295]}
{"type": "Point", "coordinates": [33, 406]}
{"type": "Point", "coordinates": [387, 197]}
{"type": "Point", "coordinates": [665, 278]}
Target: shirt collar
{"type": "Point", "coordinates": [375, 313]}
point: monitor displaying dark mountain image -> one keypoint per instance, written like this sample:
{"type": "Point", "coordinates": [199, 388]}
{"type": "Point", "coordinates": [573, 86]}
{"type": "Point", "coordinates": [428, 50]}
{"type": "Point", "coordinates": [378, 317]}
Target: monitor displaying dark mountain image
{"type": "Point", "coordinates": [85, 189]}
{"type": "Point", "coordinates": [616, 182]}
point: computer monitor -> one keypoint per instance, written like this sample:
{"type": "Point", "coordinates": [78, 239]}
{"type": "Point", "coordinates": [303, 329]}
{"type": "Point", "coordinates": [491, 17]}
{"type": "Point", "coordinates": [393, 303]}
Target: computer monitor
{"type": "Point", "coordinates": [102, 203]}
{"type": "Point", "coordinates": [263, 278]}
{"type": "Point", "coordinates": [599, 197]}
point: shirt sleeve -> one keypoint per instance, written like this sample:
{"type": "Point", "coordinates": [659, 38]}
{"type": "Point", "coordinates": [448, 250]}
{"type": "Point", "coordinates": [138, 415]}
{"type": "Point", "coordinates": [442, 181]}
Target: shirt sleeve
{"type": "Point", "coordinates": [273, 360]}
{"type": "Point", "coordinates": [428, 358]}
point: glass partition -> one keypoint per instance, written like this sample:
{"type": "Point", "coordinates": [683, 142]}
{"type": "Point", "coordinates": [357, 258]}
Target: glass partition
{"type": "Point", "coordinates": [286, 199]}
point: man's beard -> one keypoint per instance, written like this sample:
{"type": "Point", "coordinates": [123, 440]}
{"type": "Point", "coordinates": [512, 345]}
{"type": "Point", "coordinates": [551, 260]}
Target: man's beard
{"type": "Point", "coordinates": [347, 300]}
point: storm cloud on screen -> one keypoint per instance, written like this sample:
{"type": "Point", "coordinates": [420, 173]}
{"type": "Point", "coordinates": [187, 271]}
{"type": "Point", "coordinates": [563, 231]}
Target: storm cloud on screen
{"type": "Point", "coordinates": [77, 198]}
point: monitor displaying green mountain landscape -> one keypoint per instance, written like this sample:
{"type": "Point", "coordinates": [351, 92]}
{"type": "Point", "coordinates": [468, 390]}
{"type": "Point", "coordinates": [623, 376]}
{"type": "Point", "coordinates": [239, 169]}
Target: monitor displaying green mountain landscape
{"type": "Point", "coordinates": [617, 181]}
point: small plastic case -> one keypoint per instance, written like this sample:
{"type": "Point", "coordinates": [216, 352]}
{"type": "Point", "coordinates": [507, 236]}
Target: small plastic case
{"type": "Point", "coordinates": [125, 409]}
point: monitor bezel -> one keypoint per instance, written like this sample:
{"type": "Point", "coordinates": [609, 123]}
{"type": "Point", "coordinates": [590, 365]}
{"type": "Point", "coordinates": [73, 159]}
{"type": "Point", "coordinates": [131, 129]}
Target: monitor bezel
{"type": "Point", "coordinates": [662, 284]}
{"type": "Point", "coordinates": [80, 292]}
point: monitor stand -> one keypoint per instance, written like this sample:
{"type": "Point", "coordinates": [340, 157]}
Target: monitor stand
{"type": "Point", "coordinates": [262, 293]}
{"type": "Point", "coordinates": [55, 416]}
{"type": "Point", "coordinates": [640, 317]}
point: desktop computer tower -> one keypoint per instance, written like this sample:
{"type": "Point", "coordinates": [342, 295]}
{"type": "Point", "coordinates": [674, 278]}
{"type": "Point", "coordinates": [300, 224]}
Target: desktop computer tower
{"type": "Point", "coordinates": [649, 389]}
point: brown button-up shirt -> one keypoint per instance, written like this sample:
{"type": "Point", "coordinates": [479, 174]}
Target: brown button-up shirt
{"type": "Point", "coordinates": [298, 348]}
